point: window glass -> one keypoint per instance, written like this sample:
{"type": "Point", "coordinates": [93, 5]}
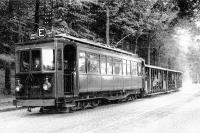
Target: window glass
{"type": "Point", "coordinates": [24, 61]}
{"type": "Point", "coordinates": [48, 59]}
{"type": "Point", "coordinates": [128, 67]}
{"type": "Point", "coordinates": [36, 60]}
{"type": "Point", "coordinates": [124, 67]}
{"type": "Point", "coordinates": [59, 59]}
{"type": "Point", "coordinates": [134, 68]}
{"type": "Point", "coordinates": [109, 65]}
{"type": "Point", "coordinates": [82, 62]}
{"type": "Point", "coordinates": [117, 66]}
{"type": "Point", "coordinates": [93, 63]}
{"type": "Point", "coordinates": [139, 69]}
{"type": "Point", "coordinates": [103, 64]}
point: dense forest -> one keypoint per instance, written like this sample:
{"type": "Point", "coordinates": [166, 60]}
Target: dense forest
{"type": "Point", "coordinates": [153, 29]}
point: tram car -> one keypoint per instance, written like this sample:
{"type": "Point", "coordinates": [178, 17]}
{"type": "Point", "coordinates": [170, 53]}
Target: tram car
{"type": "Point", "coordinates": [68, 72]}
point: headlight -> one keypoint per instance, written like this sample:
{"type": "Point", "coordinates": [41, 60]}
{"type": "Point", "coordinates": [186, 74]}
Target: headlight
{"type": "Point", "coordinates": [17, 89]}
{"type": "Point", "coordinates": [46, 85]}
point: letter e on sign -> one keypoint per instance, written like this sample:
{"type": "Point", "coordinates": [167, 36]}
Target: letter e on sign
{"type": "Point", "coordinates": [41, 32]}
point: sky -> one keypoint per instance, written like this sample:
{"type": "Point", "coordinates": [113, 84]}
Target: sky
{"type": "Point", "coordinates": [183, 38]}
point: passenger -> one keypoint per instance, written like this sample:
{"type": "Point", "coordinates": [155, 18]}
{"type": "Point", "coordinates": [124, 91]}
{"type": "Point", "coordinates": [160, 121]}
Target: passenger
{"type": "Point", "coordinates": [66, 65]}
{"type": "Point", "coordinates": [155, 81]}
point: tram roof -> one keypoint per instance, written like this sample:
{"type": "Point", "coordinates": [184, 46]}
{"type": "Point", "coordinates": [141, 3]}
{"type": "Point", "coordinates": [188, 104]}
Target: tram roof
{"type": "Point", "coordinates": [161, 68]}
{"type": "Point", "coordinates": [97, 44]}
{"type": "Point", "coordinates": [80, 40]}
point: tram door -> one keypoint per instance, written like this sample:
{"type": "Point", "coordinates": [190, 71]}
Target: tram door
{"type": "Point", "coordinates": [69, 68]}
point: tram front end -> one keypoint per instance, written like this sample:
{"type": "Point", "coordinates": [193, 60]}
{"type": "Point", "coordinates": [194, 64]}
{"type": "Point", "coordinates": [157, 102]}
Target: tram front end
{"type": "Point", "coordinates": [35, 76]}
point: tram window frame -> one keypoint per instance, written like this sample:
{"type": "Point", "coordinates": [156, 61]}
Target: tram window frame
{"type": "Point", "coordinates": [128, 67]}
{"type": "Point", "coordinates": [39, 57]}
{"type": "Point", "coordinates": [83, 70]}
{"type": "Point", "coordinates": [124, 67]}
{"type": "Point", "coordinates": [117, 64]}
{"type": "Point", "coordinates": [95, 61]}
{"type": "Point", "coordinates": [103, 70]}
{"type": "Point", "coordinates": [109, 65]}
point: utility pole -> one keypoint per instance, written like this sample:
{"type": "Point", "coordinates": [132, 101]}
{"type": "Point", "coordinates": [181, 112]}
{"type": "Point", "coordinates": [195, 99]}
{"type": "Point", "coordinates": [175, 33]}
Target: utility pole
{"type": "Point", "coordinates": [107, 25]}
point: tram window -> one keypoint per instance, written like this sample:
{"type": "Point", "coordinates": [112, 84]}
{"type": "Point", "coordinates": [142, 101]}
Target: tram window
{"type": "Point", "coordinates": [139, 68]}
{"type": "Point", "coordinates": [24, 61]}
{"type": "Point", "coordinates": [109, 65]}
{"type": "Point", "coordinates": [59, 59]}
{"type": "Point", "coordinates": [81, 63]}
{"type": "Point", "coordinates": [48, 59]}
{"type": "Point", "coordinates": [128, 68]}
{"type": "Point", "coordinates": [124, 67]}
{"type": "Point", "coordinates": [36, 60]}
{"type": "Point", "coordinates": [93, 63]}
{"type": "Point", "coordinates": [103, 64]}
{"type": "Point", "coordinates": [134, 68]}
{"type": "Point", "coordinates": [117, 66]}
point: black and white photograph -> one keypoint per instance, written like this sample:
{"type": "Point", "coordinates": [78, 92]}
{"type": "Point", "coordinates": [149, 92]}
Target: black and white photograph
{"type": "Point", "coordinates": [99, 66]}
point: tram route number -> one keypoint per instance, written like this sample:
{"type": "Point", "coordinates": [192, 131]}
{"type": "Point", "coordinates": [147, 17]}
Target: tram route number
{"type": "Point", "coordinates": [41, 32]}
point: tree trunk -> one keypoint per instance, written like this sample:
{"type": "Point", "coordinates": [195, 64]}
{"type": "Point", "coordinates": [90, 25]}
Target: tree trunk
{"type": "Point", "coordinates": [136, 45]}
{"type": "Point", "coordinates": [107, 26]}
{"type": "Point", "coordinates": [10, 8]}
{"type": "Point", "coordinates": [7, 88]}
{"type": "Point", "coordinates": [37, 17]}
{"type": "Point", "coordinates": [169, 63]}
{"type": "Point", "coordinates": [7, 79]}
{"type": "Point", "coordinates": [149, 50]}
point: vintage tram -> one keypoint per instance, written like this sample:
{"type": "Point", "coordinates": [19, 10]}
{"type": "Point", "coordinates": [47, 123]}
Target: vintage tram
{"type": "Point", "coordinates": [68, 72]}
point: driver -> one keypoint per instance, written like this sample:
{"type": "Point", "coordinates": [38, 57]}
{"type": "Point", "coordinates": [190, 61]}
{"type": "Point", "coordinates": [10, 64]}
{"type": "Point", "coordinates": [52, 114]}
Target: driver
{"type": "Point", "coordinates": [37, 65]}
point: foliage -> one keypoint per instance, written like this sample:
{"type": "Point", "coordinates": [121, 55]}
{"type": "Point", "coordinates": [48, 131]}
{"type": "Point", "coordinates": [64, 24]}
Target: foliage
{"type": "Point", "coordinates": [133, 23]}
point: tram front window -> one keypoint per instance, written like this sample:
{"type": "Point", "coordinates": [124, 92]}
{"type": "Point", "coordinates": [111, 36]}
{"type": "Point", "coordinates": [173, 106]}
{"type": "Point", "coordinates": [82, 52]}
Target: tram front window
{"type": "Point", "coordinates": [37, 60]}
{"type": "Point", "coordinates": [24, 62]}
{"type": "Point", "coordinates": [48, 59]}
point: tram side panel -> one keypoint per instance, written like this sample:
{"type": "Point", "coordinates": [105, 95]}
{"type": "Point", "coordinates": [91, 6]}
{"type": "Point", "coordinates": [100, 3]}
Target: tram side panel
{"type": "Point", "coordinates": [118, 82]}
{"type": "Point", "coordinates": [93, 79]}
{"type": "Point", "coordinates": [107, 83]}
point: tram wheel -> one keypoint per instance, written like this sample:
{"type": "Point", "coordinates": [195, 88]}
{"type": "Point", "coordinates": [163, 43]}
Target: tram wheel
{"type": "Point", "coordinates": [130, 98]}
{"type": "Point", "coordinates": [95, 103]}
{"type": "Point", "coordinates": [83, 105]}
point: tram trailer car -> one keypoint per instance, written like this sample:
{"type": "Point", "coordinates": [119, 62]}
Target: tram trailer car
{"type": "Point", "coordinates": [65, 72]}
{"type": "Point", "coordinates": [158, 79]}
